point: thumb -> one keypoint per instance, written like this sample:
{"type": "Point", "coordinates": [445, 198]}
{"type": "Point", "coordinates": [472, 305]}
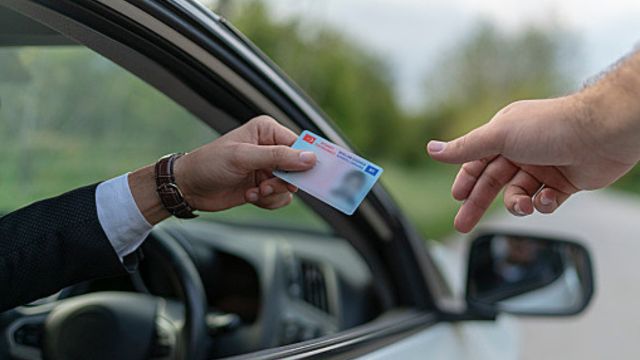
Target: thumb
{"type": "Point", "coordinates": [478, 144]}
{"type": "Point", "coordinates": [256, 157]}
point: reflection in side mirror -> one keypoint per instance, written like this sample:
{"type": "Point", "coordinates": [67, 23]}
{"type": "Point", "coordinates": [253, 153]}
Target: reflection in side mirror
{"type": "Point", "coordinates": [528, 275]}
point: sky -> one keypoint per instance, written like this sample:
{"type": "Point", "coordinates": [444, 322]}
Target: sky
{"type": "Point", "coordinates": [411, 34]}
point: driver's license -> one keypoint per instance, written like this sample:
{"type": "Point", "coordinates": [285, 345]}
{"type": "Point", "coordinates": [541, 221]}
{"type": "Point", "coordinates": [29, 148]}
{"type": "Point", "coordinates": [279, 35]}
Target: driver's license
{"type": "Point", "coordinates": [340, 178]}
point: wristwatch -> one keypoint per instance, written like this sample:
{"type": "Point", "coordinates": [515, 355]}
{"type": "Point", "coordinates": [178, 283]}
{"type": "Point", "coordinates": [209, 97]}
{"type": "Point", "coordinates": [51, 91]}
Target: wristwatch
{"type": "Point", "coordinates": [169, 192]}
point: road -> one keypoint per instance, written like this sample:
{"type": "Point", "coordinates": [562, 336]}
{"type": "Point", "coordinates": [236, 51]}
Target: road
{"type": "Point", "coordinates": [608, 223]}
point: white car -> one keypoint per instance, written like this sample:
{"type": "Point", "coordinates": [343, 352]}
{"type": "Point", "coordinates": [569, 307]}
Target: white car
{"type": "Point", "coordinates": [324, 285]}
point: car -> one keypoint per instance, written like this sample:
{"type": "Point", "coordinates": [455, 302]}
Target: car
{"type": "Point", "coordinates": [90, 88]}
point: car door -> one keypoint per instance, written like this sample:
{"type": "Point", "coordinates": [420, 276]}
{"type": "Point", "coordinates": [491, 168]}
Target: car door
{"type": "Point", "coordinates": [198, 60]}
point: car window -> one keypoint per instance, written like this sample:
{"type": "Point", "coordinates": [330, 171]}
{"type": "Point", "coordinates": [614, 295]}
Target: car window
{"type": "Point", "coordinates": [70, 117]}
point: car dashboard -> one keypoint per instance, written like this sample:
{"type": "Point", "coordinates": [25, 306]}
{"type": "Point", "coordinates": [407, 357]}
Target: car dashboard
{"type": "Point", "coordinates": [265, 286]}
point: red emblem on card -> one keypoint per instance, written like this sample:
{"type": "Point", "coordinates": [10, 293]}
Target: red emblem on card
{"type": "Point", "coordinates": [308, 138]}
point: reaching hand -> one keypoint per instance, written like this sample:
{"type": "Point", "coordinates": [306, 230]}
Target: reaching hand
{"type": "Point", "coordinates": [236, 168]}
{"type": "Point", "coordinates": [541, 152]}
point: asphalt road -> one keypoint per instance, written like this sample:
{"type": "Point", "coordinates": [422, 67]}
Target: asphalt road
{"type": "Point", "coordinates": [608, 223]}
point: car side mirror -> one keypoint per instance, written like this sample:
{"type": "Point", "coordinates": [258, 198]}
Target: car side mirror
{"type": "Point", "coordinates": [528, 275]}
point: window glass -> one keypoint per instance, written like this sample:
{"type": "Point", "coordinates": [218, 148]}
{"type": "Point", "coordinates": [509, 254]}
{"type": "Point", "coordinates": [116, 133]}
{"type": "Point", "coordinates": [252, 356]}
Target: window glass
{"type": "Point", "coordinates": [70, 117]}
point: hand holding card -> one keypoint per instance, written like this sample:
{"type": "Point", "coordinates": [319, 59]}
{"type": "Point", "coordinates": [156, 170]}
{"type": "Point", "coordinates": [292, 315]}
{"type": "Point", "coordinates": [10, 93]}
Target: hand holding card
{"type": "Point", "coordinates": [340, 178]}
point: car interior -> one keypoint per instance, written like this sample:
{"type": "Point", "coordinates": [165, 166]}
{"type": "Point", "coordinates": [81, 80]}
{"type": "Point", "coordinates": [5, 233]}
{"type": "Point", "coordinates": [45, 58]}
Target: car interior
{"type": "Point", "coordinates": [269, 279]}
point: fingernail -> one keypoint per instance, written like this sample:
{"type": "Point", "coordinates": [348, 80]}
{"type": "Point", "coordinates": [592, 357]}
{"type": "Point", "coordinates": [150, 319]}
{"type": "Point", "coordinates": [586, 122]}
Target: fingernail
{"type": "Point", "coordinates": [436, 146]}
{"type": "Point", "coordinates": [253, 196]}
{"type": "Point", "coordinates": [546, 201]}
{"type": "Point", "coordinates": [518, 211]}
{"type": "Point", "coordinates": [268, 190]}
{"type": "Point", "coordinates": [307, 156]}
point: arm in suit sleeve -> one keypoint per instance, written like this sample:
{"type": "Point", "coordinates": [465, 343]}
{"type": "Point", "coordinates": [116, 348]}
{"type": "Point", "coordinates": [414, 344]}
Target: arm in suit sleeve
{"type": "Point", "coordinates": [52, 244]}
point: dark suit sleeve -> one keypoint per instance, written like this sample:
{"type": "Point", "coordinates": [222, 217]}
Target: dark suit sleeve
{"type": "Point", "coordinates": [52, 244]}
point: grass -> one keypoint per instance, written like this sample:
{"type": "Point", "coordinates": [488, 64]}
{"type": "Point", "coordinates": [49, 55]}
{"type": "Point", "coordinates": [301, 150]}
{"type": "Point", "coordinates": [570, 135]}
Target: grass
{"type": "Point", "coordinates": [424, 194]}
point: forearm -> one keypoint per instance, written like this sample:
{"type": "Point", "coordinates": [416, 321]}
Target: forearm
{"type": "Point", "coordinates": [611, 107]}
{"type": "Point", "coordinates": [623, 80]}
{"type": "Point", "coordinates": [52, 244]}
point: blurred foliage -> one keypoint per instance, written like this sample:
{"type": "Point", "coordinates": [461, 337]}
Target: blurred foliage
{"type": "Point", "coordinates": [485, 72]}
{"type": "Point", "coordinates": [352, 85]}
{"type": "Point", "coordinates": [71, 112]}
{"type": "Point", "coordinates": [490, 69]}
{"type": "Point", "coordinates": [474, 79]}
{"type": "Point", "coordinates": [471, 82]}
{"type": "Point", "coordinates": [630, 182]}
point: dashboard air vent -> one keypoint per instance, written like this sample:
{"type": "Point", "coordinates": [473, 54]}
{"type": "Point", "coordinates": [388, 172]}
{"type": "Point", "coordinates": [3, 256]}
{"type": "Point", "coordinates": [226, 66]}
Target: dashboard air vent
{"type": "Point", "coordinates": [314, 289]}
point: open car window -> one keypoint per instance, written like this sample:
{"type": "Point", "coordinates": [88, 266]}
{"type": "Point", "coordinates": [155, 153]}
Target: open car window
{"type": "Point", "coordinates": [70, 117]}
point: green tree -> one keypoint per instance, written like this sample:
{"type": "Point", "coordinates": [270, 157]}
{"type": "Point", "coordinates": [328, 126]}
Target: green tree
{"type": "Point", "coordinates": [490, 69]}
{"type": "Point", "coordinates": [351, 85]}
{"type": "Point", "coordinates": [484, 72]}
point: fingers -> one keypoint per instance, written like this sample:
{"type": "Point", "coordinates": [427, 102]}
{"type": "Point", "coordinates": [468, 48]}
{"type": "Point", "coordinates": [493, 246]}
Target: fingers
{"type": "Point", "coordinates": [256, 157]}
{"type": "Point", "coordinates": [275, 201]}
{"type": "Point", "coordinates": [519, 192]}
{"type": "Point", "coordinates": [467, 178]}
{"type": "Point", "coordinates": [480, 143]}
{"type": "Point", "coordinates": [549, 199]}
{"type": "Point", "coordinates": [521, 195]}
{"type": "Point", "coordinates": [494, 177]}
{"type": "Point", "coordinates": [557, 189]}
{"type": "Point", "coordinates": [551, 177]}
{"type": "Point", "coordinates": [271, 193]}
{"type": "Point", "coordinates": [275, 186]}
{"type": "Point", "coordinates": [270, 132]}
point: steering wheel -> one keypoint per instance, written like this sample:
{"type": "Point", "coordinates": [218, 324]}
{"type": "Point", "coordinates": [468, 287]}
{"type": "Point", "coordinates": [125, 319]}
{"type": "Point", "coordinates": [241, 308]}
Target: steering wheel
{"type": "Point", "coordinates": [121, 325]}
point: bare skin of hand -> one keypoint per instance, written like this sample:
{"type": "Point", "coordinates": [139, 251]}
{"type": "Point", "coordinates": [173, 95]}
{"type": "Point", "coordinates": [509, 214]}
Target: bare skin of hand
{"type": "Point", "coordinates": [230, 171]}
{"type": "Point", "coordinates": [543, 151]}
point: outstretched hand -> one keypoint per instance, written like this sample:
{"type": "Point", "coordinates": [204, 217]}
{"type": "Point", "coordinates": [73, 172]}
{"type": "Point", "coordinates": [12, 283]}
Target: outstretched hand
{"type": "Point", "coordinates": [541, 152]}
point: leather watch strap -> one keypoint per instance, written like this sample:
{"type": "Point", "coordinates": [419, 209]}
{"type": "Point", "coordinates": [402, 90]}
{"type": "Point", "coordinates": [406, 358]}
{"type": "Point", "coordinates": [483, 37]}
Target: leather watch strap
{"type": "Point", "coordinates": [170, 194]}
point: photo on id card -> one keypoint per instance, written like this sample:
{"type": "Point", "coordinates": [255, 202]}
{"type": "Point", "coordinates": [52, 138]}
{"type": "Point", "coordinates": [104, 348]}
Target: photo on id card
{"type": "Point", "coordinates": [340, 178]}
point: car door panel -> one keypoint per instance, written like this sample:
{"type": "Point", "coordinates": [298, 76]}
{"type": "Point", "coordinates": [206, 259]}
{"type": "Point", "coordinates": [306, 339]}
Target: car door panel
{"type": "Point", "coordinates": [469, 340]}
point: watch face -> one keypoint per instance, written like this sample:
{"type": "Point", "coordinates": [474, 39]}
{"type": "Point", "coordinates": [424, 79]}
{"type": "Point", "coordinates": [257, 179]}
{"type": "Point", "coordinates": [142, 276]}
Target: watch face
{"type": "Point", "coordinates": [169, 188]}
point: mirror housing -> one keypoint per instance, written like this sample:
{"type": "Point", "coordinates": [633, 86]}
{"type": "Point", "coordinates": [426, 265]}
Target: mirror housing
{"type": "Point", "coordinates": [528, 275]}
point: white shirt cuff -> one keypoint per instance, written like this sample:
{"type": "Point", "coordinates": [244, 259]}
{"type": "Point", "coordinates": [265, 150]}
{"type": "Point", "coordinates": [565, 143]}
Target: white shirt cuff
{"type": "Point", "coordinates": [122, 222]}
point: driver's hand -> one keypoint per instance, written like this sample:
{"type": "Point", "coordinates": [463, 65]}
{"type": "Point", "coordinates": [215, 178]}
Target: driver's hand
{"type": "Point", "coordinates": [237, 168]}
